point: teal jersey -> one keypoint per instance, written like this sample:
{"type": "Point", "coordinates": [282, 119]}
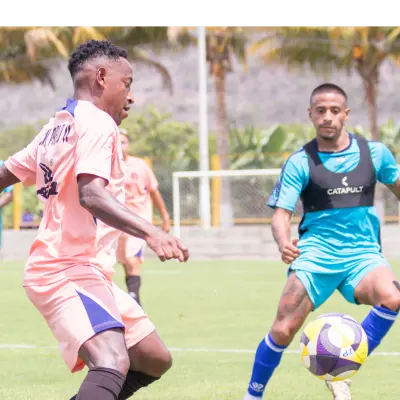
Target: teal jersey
{"type": "Point", "coordinates": [340, 232]}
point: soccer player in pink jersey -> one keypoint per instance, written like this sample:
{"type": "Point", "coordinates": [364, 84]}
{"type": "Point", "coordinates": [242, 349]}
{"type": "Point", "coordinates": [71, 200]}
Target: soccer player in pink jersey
{"type": "Point", "coordinates": [141, 190]}
{"type": "Point", "coordinates": [76, 163]}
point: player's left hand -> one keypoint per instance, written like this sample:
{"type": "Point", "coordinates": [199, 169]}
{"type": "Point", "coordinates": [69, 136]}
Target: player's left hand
{"type": "Point", "coordinates": [290, 251]}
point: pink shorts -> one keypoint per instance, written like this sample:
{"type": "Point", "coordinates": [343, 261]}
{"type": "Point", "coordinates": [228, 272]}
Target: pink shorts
{"type": "Point", "coordinates": [83, 304]}
{"type": "Point", "coordinates": [130, 247]}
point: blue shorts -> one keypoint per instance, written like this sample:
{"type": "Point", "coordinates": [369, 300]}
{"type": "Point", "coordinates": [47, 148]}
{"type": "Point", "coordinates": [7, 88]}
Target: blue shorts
{"type": "Point", "coordinates": [344, 275]}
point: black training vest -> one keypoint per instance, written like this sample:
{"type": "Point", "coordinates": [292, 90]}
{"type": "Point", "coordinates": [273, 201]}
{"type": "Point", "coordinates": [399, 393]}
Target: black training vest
{"type": "Point", "coordinates": [327, 190]}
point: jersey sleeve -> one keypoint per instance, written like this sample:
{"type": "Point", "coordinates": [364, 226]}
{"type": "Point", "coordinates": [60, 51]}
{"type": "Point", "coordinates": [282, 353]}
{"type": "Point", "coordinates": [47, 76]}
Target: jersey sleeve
{"type": "Point", "coordinates": [95, 148]}
{"type": "Point", "coordinates": [385, 164]}
{"type": "Point", "coordinates": [24, 163]}
{"type": "Point", "coordinates": [289, 186]}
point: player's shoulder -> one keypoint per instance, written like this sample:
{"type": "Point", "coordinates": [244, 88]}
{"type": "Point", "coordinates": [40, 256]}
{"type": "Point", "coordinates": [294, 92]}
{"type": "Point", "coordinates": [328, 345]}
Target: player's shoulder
{"type": "Point", "coordinates": [296, 164]}
{"type": "Point", "coordinates": [377, 146]}
{"type": "Point", "coordinates": [299, 156]}
{"type": "Point", "coordinates": [136, 162]}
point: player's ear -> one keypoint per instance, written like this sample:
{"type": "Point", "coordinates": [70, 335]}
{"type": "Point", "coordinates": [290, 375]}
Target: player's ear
{"type": "Point", "coordinates": [309, 112]}
{"type": "Point", "coordinates": [101, 77]}
{"type": "Point", "coordinates": [347, 112]}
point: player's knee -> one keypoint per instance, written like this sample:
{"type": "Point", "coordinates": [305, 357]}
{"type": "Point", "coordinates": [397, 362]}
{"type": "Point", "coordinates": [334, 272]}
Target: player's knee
{"type": "Point", "coordinates": [392, 301]}
{"type": "Point", "coordinates": [162, 362]}
{"type": "Point", "coordinates": [284, 331]}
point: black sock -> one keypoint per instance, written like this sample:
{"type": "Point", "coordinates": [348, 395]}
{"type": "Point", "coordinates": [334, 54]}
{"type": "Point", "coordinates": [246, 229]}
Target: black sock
{"type": "Point", "coordinates": [101, 384]}
{"type": "Point", "coordinates": [133, 284]}
{"type": "Point", "coordinates": [134, 381]}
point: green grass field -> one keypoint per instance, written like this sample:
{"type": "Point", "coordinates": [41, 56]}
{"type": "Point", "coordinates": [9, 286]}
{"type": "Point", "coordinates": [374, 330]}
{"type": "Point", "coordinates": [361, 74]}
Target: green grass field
{"type": "Point", "coordinates": [211, 314]}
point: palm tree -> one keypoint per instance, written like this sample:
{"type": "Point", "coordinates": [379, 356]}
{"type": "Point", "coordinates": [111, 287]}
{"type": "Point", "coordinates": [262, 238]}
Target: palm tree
{"type": "Point", "coordinates": [360, 49]}
{"type": "Point", "coordinates": [25, 51]}
{"type": "Point", "coordinates": [221, 44]}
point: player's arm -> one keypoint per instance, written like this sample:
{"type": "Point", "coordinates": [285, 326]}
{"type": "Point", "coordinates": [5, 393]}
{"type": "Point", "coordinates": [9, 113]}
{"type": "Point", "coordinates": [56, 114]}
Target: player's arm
{"type": "Point", "coordinates": [395, 188]}
{"type": "Point", "coordinates": [157, 199]}
{"type": "Point", "coordinates": [283, 200]}
{"type": "Point", "coordinates": [6, 179]}
{"type": "Point", "coordinates": [281, 232]}
{"type": "Point", "coordinates": [386, 167]}
{"type": "Point", "coordinates": [6, 198]}
{"type": "Point", "coordinates": [160, 205]}
{"type": "Point", "coordinates": [21, 167]}
{"type": "Point", "coordinates": [102, 205]}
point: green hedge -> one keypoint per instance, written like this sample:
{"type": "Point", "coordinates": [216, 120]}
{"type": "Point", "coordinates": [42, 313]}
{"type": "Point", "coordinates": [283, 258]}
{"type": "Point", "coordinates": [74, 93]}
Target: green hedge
{"type": "Point", "coordinates": [173, 145]}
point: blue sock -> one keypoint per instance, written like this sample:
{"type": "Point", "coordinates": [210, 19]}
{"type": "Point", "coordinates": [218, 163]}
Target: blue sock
{"type": "Point", "coordinates": [377, 324]}
{"type": "Point", "coordinates": [268, 357]}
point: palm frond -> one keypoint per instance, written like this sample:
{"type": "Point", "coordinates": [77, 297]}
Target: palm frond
{"type": "Point", "coordinates": [83, 33]}
{"type": "Point", "coordinates": [140, 56]}
{"type": "Point", "coordinates": [24, 70]}
{"type": "Point", "coordinates": [43, 37]}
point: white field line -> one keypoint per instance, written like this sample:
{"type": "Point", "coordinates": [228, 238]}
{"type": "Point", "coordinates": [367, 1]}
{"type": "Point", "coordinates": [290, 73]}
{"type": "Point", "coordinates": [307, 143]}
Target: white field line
{"type": "Point", "coordinates": [191, 350]}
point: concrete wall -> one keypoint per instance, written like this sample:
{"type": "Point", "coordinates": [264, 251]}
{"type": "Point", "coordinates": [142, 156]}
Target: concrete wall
{"type": "Point", "coordinates": [239, 242]}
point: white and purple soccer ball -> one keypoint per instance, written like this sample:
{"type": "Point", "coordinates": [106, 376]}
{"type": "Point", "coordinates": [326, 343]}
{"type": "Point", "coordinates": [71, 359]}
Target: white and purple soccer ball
{"type": "Point", "coordinates": [333, 347]}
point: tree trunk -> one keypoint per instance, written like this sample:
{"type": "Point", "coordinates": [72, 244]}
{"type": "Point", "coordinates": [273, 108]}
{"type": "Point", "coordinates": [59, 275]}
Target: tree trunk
{"type": "Point", "coordinates": [370, 84]}
{"type": "Point", "coordinates": [223, 149]}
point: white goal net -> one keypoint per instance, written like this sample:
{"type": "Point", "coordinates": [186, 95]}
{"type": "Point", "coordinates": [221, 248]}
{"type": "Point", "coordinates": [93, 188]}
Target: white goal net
{"type": "Point", "coordinates": [236, 197]}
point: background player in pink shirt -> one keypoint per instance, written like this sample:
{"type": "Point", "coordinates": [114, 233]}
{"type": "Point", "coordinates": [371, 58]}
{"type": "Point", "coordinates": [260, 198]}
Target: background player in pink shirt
{"type": "Point", "coordinates": [141, 190]}
{"type": "Point", "coordinates": [76, 163]}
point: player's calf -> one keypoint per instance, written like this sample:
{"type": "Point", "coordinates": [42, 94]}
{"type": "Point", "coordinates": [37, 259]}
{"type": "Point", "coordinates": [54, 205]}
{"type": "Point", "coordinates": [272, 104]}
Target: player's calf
{"type": "Point", "coordinates": [132, 277]}
{"type": "Point", "coordinates": [293, 309]}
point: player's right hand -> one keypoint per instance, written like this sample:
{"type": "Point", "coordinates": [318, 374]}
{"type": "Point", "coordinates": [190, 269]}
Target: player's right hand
{"type": "Point", "coordinates": [290, 251]}
{"type": "Point", "coordinates": [166, 246]}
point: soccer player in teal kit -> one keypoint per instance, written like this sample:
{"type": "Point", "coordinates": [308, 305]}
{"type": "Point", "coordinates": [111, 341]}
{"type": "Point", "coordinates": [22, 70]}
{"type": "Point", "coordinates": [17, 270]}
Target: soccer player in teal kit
{"type": "Point", "coordinates": [335, 176]}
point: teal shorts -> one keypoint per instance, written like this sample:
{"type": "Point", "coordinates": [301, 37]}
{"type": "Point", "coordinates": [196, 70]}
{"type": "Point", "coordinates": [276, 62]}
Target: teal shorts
{"type": "Point", "coordinates": [344, 275]}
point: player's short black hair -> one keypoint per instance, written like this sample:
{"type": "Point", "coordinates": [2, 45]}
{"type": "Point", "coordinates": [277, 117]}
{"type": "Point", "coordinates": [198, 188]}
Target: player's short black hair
{"type": "Point", "coordinates": [328, 88]}
{"type": "Point", "coordinates": [91, 50]}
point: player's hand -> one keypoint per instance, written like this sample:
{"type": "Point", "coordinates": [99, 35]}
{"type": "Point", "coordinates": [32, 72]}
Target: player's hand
{"type": "Point", "coordinates": [166, 224]}
{"type": "Point", "coordinates": [290, 251]}
{"type": "Point", "coordinates": [166, 246]}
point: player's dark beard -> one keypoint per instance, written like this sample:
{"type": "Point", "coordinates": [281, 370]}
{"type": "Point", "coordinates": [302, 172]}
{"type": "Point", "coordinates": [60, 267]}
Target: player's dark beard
{"type": "Point", "coordinates": [328, 137]}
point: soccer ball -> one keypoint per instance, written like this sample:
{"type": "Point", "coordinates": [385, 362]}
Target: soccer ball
{"type": "Point", "coordinates": [333, 347]}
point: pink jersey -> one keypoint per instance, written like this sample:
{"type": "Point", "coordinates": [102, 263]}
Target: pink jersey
{"type": "Point", "coordinates": [140, 181]}
{"type": "Point", "coordinates": [80, 139]}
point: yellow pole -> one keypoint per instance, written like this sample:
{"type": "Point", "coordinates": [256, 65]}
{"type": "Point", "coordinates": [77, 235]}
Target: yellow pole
{"type": "Point", "coordinates": [17, 206]}
{"type": "Point", "coordinates": [215, 192]}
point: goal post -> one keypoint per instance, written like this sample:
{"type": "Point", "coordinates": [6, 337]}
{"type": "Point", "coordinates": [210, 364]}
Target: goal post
{"type": "Point", "coordinates": [178, 176]}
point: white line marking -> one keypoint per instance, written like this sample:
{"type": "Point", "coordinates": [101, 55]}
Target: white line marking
{"type": "Point", "coordinates": [247, 351]}
{"type": "Point", "coordinates": [192, 350]}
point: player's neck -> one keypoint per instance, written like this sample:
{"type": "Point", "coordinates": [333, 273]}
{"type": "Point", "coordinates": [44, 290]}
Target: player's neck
{"type": "Point", "coordinates": [84, 95]}
{"type": "Point", "coordinates": [341, 143]}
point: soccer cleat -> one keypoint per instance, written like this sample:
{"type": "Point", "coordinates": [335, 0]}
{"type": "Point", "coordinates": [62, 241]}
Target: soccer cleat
{"type": "Point", "coordinates": [340, 389]}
